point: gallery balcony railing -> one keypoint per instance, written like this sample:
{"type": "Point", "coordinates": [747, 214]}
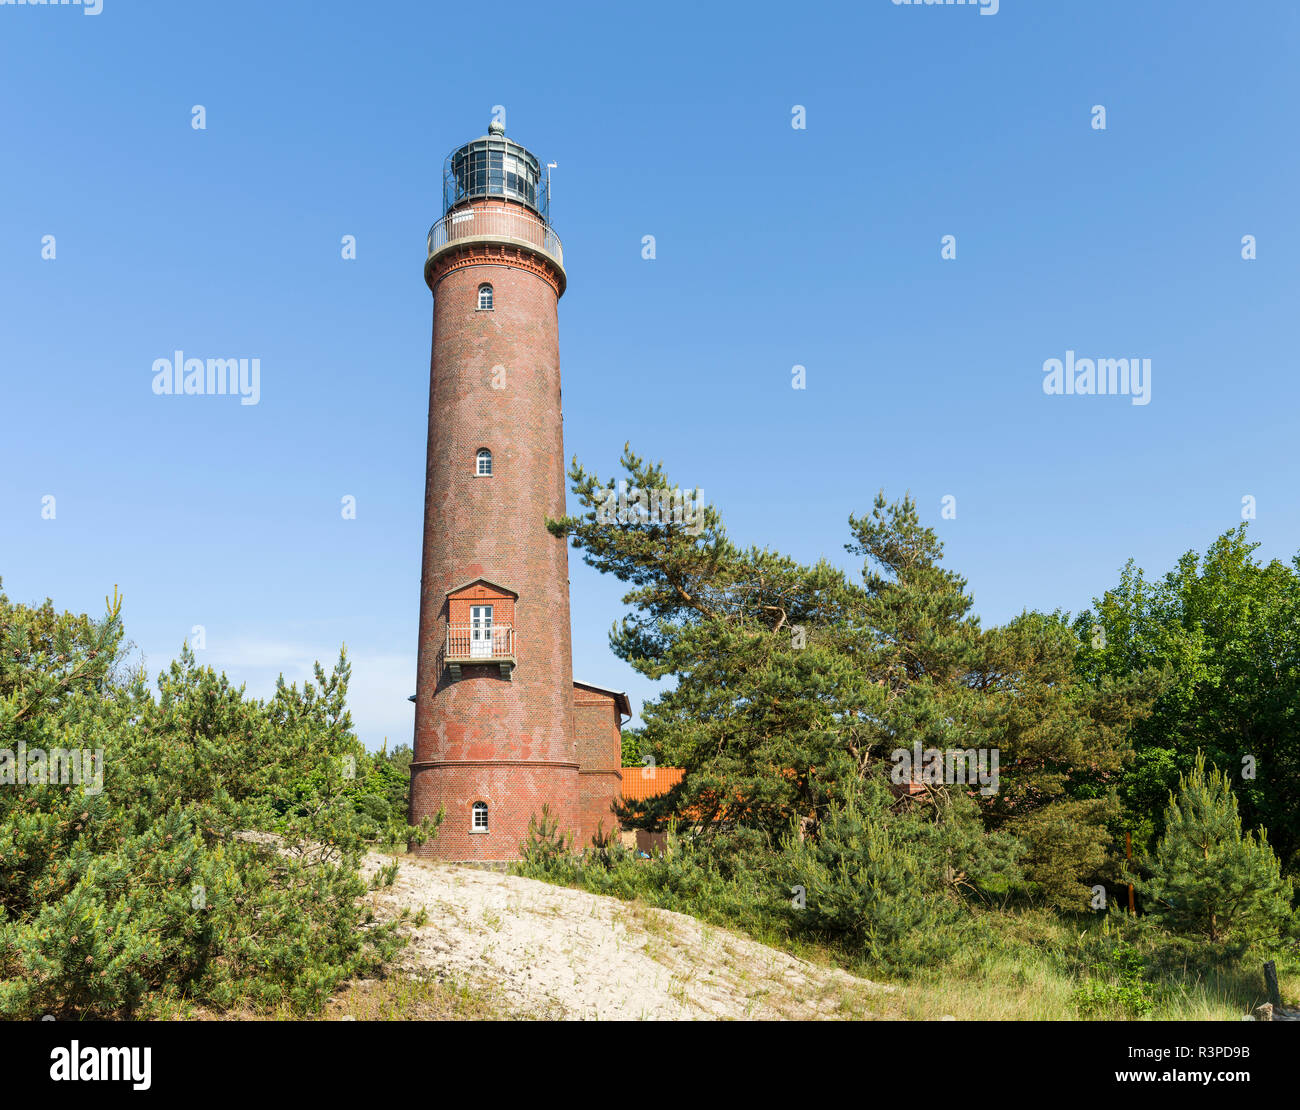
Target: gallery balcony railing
{"type": "Point", "coordinates": [468, 644]}
{"type": "Point", "coordinates": [499, 221]}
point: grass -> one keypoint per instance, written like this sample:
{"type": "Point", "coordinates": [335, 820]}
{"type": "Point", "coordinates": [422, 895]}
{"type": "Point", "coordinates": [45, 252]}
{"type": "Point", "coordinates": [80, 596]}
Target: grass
{"type": "Point", "coordinates": [397, 998]}
{"type": "Point", "coordinates": [1023, 964]}
{"type": "Point", "coordinates": [405, 999]}
{"type": "Point", "coordinates": [1038, 969]}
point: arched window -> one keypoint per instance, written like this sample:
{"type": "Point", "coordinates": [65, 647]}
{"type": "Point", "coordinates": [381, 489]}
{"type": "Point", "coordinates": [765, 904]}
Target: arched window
{"type": "Point", "coordinates": [479, 821]}
{"type": "Point", "coordinates": [485, 297]}
{"type": "Point", "coordinates": [483, 463]}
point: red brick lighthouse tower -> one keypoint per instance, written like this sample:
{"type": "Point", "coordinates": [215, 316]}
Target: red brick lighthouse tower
{"type": "Point", "coordinates": [494, 712]}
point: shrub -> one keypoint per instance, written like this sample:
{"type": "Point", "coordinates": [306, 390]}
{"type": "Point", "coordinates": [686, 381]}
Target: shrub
{"type": "Point", "coordinates": [1115, 987]}
{"type": "Point", "coordinates": [152, 887]}
{"type": "Point", "coordinates": [860, 885]}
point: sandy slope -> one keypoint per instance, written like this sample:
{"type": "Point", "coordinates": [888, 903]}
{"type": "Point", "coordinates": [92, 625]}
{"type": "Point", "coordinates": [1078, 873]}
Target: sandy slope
{"type": "Point", "coordinates": [557, 952]}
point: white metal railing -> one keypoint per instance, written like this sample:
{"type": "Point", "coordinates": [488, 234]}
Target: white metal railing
{"type": "Point", "coordinates": [464, 641]}
{"type": "Point", "coordinates": [498, 221]}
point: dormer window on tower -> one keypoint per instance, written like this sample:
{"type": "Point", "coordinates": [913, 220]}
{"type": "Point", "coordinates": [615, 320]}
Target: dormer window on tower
{"type": "Point", "coordinates": [483, 463]}
{"type": "Point", "coordinates": [485, 297]}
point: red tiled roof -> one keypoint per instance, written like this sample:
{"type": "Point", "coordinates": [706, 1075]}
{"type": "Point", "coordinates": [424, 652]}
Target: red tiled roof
{"type": "Point", "coordinates": [649, 782]}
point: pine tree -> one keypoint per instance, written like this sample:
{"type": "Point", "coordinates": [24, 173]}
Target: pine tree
{"type": "Point", "coordinates": [1207, 877]}
{"type": "Point", "coordinates": [880, 884]}
{"type": "Point", "coordinates": [794, 683]}
{"type": "Point", "coordinates": [767, 704]}
{"type": "Point", "coordinates": [145, 883]}
{"type": "Point", "coordinates": [1012, 690]}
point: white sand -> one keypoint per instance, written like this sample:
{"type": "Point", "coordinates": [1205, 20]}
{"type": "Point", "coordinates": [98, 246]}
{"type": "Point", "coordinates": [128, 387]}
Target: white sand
{"type": "Point", "coordinates": [551, 951]}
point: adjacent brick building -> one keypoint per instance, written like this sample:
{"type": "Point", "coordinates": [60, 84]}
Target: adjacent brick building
{"type": "Point", "coordinates": [501, 728]}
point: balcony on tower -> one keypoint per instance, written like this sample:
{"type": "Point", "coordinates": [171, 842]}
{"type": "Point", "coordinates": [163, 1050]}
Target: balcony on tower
{"type": "Point", "coordinates": [478, 643]}
{"type": "Point", "coordinates": [480, 628]}
{"type": "Point", "coordinates": [494, 191]}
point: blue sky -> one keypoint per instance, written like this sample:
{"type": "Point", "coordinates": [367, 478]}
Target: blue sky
{"type": "Point", "coordinates": [774, 247]}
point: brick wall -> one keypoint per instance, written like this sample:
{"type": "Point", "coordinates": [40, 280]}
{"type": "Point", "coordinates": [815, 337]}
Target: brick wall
{"type": "Point", "coordinates": [600, 756]}
{"type": "Point", "coordinates": [495, 383]}
{"type": "Point", "coordinates": [513, 793]}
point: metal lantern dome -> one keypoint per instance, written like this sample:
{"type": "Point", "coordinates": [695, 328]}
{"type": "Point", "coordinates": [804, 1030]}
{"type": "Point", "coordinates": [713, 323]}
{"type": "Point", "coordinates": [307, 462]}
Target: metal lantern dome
{"type": "Point", "coordinates": [494, 166]}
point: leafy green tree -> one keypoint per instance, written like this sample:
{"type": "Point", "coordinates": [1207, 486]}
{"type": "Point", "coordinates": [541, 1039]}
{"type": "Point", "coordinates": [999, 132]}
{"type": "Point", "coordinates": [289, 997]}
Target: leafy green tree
{"type": "Point", "coordinates": [632, 755]}
{"type": "Point", "coordinates": [1224, 629]}
{"type": "Point", "coordinates": [384, 791]}
{"type": "Point", "coordinates": [1209, 879]}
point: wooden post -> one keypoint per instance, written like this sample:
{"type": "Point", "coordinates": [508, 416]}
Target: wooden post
{"type": "Point", "coordinates": [1270, 984]}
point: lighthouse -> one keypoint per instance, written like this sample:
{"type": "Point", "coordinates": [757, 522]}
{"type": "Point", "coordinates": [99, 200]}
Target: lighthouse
{"type": "Point", "coordinates": [500, 727]}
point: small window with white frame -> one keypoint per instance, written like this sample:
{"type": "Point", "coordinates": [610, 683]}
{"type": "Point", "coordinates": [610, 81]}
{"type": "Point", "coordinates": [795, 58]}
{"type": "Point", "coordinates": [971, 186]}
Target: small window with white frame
{"type": "Point", "coordinates": [479, 818]}
{"type": "Point", "coordinates": [483, 463]}
{"type": "Point", "coordinates": [485, 297]}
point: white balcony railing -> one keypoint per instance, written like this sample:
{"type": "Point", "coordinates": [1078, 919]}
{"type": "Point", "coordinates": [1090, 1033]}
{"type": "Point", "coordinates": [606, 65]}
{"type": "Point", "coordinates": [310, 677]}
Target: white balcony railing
{"type": "Point", "coordinates": [466, 643]}
{"type": "Point", "coordinates": [496, 222]}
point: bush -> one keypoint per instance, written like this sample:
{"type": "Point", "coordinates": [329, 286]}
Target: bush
{"type": "Point", "coordinates": [150, 887]}
{"type": "Point", "coordinates": [1115, 986]}
{"type": "Point", "coordinates": [716, 881]}
{"type": "Point", "coordinates": [861, 885]}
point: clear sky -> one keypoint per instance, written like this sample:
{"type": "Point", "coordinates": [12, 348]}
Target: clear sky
{"type": "Point", "coordinates": [775, 247]}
